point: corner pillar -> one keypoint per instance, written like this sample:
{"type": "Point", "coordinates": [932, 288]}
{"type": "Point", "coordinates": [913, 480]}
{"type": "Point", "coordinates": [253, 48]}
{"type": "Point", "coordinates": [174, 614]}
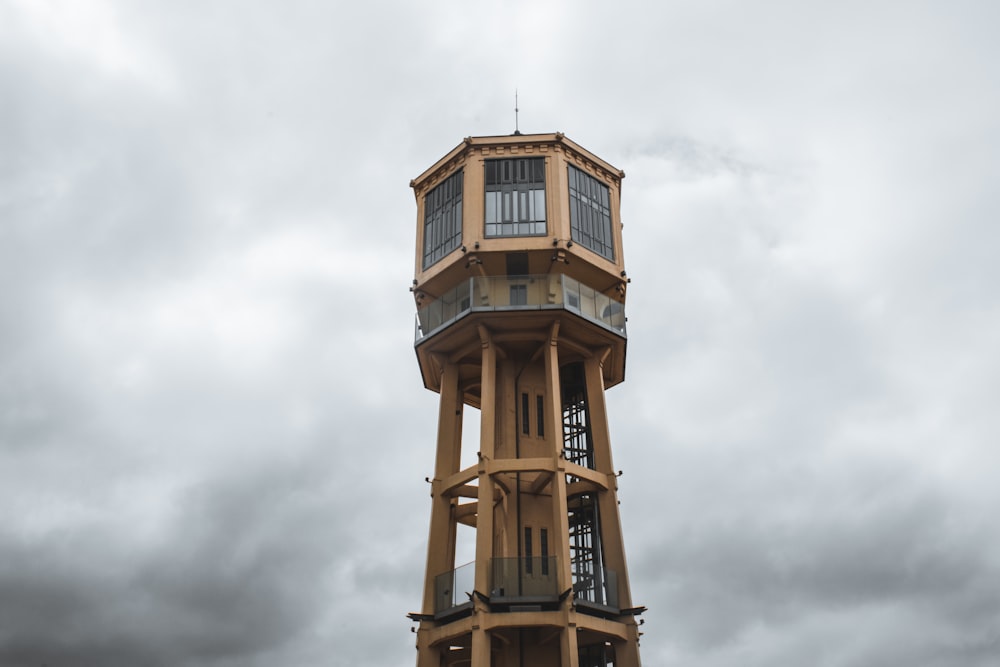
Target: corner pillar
{"type": "Point", "coordinates": [441, 540]}
{"type": "Point", "coordinates": [487, 447]}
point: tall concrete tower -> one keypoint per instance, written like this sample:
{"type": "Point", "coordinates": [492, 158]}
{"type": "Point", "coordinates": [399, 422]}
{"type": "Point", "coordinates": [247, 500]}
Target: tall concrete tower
{"type": "Point", "coordinates": [520, 291]}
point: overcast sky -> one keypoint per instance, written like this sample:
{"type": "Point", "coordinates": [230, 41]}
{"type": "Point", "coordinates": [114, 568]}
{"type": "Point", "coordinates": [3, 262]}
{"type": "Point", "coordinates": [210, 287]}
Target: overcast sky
{"type": "Point", "coordinates": [206, 240]}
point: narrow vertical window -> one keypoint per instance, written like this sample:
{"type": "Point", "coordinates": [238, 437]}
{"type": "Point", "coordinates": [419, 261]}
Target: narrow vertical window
{"type": "Point", "coordinates": [443, 219]}
{"type": "Point", "coordinates": [543, 538]}
{"type": "Point", "coordinates": [590, 213]}
{"type": "Point", "coordinates": [518, 295]}
{"type": "Point", "coordinates": [515, 197]}
{"type": "Point", "coordinates": [527, 550]}
{"type": "Point", "coordinates": [525, 425]}
{"type": "Point", "coordinates": [540, 415]}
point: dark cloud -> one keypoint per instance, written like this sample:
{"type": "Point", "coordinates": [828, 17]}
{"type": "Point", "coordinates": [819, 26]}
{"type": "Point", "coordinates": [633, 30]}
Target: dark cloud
{"type": "Point", "coordinates": [223, 579]}
{"type": "Point", "coordinates": [789, 542]}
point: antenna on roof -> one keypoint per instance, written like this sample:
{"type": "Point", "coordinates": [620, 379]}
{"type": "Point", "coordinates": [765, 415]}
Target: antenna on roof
{"type": "Point", "coordinates": [517, 130]}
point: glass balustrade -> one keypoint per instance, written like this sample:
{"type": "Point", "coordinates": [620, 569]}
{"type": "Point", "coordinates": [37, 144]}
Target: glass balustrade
{"type": "Point", "coordinates": [524, 579]}
{"type": "Point", "coordinates": [512, 581]}
{"type": "Point", "coordinates": [502, 293]}
{"type": "Point", "coordinates": [453, 589]}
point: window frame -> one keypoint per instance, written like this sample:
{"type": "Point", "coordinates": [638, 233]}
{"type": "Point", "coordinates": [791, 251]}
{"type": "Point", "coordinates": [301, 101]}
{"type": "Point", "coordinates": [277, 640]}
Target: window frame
{"type": "Point", "coordinates": [521, 195]}
{"type": "Point", "coordinates": [543, 539]}
{"type": "Point", "coordinates": [525, 413]}
{"type": "Point", "coordinates": [540, 415]}
{"type": "Point", "coordinates": [590, 219]}
{"type": "Point", "coordinates": [443, 233]}
{"type": "Point", "coordinates": [528, 555]}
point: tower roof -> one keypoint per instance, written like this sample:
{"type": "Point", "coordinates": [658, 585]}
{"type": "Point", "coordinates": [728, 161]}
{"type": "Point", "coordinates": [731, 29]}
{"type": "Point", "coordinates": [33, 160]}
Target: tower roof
{"type": "Point", "coordinates": [517, 140]}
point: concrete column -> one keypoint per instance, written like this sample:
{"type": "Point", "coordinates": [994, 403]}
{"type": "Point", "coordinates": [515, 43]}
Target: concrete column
{"type": "Point", "coordinates": [487, 440]}
{"type": "Point", "coordinates": [441, 538]}
{"type": "Point", "coordinates": [610, 524]}
{"type": "Point", "coordinates": [598, 414]}
{"type": "Point", "coordinates": [427, 655]}
{"type": "Point", "coordinates": [569, 655]}
{"type": "Point", "coordinates": [560, 512]}
{"type": "Point", "coordinates": [481, 655]}
{"type": "Point", "coordinates": [627, 653]}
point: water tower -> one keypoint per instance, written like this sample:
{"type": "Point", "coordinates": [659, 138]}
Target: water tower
{"type": "Point", "coordinates": [520, 292]}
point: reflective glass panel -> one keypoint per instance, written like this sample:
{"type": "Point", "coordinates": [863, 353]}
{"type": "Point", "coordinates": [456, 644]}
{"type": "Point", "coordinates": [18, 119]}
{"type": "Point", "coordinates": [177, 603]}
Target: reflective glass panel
{"type": "Point", "coordinates": [515, 197]}
{"type": "Point", "coordinates": [443, 219]}
{"type": "Point", "coordinates": [590, 213]}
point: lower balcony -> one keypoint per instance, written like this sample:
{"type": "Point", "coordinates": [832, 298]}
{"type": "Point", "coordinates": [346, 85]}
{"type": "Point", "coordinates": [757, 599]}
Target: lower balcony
{"type": "Point", "coordinates": [516, 584]}
{"type": "Point", "coordinates": [523, 584]}
{"type": "Point", "coordinates": [453, 592]}
{"type": "Point", "coordinates": [596, 592]}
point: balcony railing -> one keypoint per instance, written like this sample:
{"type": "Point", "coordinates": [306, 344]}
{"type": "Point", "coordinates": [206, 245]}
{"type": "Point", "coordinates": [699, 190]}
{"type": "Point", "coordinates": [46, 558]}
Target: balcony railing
{"type": "Point", "coordinates": [512, 581]}
{"type": "Point", "coordinates": [453, 589]}
{"type": "Point", "coordinates": [524, 580]}
{"type": "Point", "coordinates": [503, 293]}
{"type": "Point", "coordinates": [596, 590]}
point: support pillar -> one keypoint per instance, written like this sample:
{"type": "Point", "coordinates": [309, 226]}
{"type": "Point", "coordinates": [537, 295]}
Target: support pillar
{"type": "Point", "coordinates": [610, 526]}
{"type": "Point", "coordinates": [487, 435]}
{"type": "Point", "coordinates": [481, 654]}
{"type": "Point", "coordinates": [560, 510]}
{"type": "Point", "coordinates": [441, 538]}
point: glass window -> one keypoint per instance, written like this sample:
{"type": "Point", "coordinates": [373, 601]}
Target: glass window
{"type": "Point", "coordinates": [544, 539]}
{"type": "Point", "coordinates": [590, 213]}
{"type": "Point", "coordinates": [443, 219]}
{"type": "Point", "coordinates": [525, 425]}
{"type": "Point", "coordinates": [515, 197]}
{"type": "Point", "coordinates": [527, 550]}
{"type": "Point", "coordinates": [540, 415]}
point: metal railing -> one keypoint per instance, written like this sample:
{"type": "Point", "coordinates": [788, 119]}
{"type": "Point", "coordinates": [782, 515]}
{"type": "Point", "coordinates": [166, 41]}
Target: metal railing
{"type": "Point", "coordinates": [535, 292]}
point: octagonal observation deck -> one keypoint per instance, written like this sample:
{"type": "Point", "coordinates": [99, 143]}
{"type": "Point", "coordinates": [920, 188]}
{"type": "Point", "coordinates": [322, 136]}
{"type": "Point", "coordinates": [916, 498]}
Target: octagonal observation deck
{"type": "Point", "coordinates": [517, 233]}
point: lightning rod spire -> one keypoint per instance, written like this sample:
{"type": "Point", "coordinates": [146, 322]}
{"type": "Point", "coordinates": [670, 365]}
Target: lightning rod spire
{"type": "Point", "coordinates": [517, 129]}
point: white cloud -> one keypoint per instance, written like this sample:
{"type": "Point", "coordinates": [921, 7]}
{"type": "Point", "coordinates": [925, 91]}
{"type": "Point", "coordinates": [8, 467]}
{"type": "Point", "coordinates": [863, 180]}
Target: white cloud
{"type": "Point", "coordinates": [92, 33]}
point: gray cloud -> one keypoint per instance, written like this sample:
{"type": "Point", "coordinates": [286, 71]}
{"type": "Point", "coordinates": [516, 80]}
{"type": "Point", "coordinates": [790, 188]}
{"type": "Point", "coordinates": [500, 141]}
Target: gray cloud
{"type": "Point", "coordinates": [205, 244]}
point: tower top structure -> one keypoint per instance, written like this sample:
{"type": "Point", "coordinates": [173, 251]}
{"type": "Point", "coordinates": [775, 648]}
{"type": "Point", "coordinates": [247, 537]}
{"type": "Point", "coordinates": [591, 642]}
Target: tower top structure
{"type": "Point", "coordinates": [523, 204]}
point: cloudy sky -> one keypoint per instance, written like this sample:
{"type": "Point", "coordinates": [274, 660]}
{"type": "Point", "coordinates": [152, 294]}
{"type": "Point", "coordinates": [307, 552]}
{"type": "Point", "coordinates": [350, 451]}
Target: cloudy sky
{"type": "Point", "coordinates": [206, 240]}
